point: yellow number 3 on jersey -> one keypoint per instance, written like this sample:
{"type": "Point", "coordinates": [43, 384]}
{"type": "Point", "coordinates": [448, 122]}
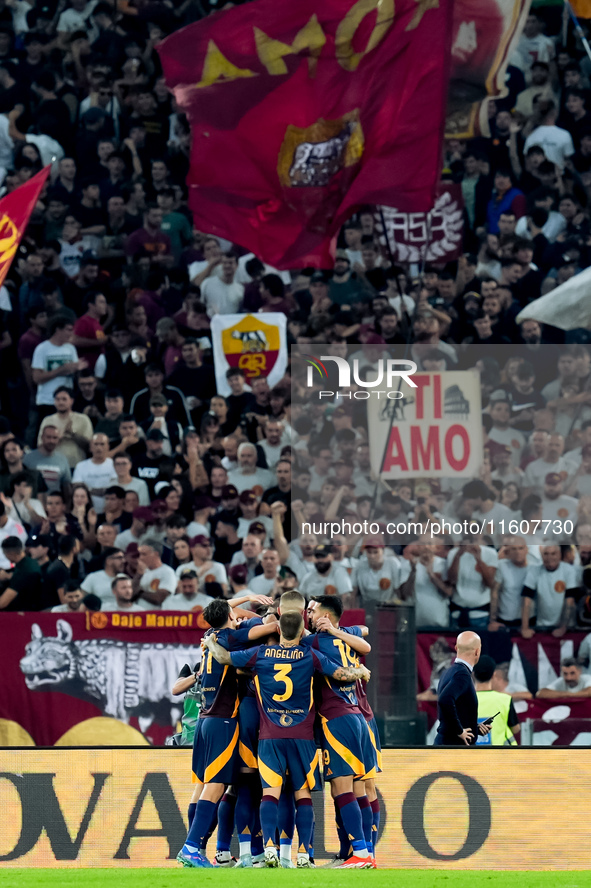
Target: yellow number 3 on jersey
{"type": "Point", "coordinates": [282, 671]}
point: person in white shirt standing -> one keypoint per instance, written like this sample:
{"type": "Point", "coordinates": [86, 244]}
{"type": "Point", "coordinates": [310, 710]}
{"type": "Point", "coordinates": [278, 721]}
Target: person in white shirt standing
{"type": "Point", "coordinates": [154, 580]}
{"type": "Point", "coordinates": [553, 586]}
{"type": "Point", "coordinates": [556, 143]}
{"type": "Point", "coordinates": [534, 46]}
{"type": "Point", "coordinates": [222, 295]}
{"type": "Point", "coordinates": [96, 472]}
{"type": "Point", "coordinates": [472, 568]}
{"type": "Point", "coordinates": [122, 590]}
{"type": "Point", "coordinates": [55, 362]}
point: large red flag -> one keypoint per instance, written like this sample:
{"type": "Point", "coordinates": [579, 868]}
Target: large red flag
{"type": "Point", "coordinates": [301, 112]}
{"type": "Point", "coordinates": [15, 212]}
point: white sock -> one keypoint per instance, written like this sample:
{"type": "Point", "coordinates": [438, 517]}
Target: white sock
{"type": "Point", "coordinates": [244, 848]}
{"type": "Point", "coordinates": [363, 852]}
{"type": "Point", "coordinates": [191, 848]}
{"type": "Point", "coordinates": [285, 852]}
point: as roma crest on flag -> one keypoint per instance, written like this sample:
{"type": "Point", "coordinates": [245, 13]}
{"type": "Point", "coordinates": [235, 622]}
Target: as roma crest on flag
{"type": "Point", "coordinates": [302, 112]}
{"type": "Point", "coordinates": [255, 343]}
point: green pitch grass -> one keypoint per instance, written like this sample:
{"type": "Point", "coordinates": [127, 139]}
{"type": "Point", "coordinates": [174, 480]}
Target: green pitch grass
{"type": "Point", "coordinates": [171, 878]}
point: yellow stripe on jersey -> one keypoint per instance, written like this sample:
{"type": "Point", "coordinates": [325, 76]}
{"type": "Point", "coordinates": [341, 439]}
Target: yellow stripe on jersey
{"type": "Point", "coordinates": [223, 758]}
{"type": "Point", "coordinates": [270, 777]}
{"type": "Point", "coordinates": [246, 755]}
{"type": "Point", "coordinates": [354, 763]}
{"type": "Point", "coordinates": [375, 746]}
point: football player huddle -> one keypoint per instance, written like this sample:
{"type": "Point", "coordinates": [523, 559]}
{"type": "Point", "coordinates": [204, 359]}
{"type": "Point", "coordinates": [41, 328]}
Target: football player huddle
{"type": "Point", "coordinates": [272, 692]}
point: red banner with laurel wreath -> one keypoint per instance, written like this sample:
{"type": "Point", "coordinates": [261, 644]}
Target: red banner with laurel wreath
{"type": "Point", "coordinates": [15, 212]}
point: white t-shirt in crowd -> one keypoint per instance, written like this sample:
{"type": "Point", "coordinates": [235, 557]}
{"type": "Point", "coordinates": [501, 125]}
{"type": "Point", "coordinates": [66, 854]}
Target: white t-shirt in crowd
{"type": "Point", "coordinates": [431, 605]}
{"type": "Point", "coordinates": [243, 277]}
{"type": "Point", "coordinates": [560, 685]}
{"type": "Point", "coordinates": [6, 145]}
{"type": "Point", "coordinates": [512, 579]}
{"type": "Point", "coordinates": [199, 267]}
{"type": "Point", "coordinates": [261, 585]}
{"type": "Point", "coordinates": [221, 298]}
{"type": "Point", "coordinates": [377, 585]}
{"type": "Point", "coordinates": [180, 602]}
{"type": "Point", "coordinates": [402, 304]}
{"type": "Point", "coordinates": [560, 510]}
{"type": "Point", "coordinates": [96, 476]}
{"type": "Point", "coordinates": [262, 478]}
{"type": "Point", "coordinates": [48, 357]}
{"type": "Point", "coordinates": [244, 524]}
{"type": "Point", "coordinates": [511, 438]}
{"type": "Point", "coordinates": [160, 579]}
{"type": "Point", "coordinates": [552, 227]}
{"type": "Point", "coordinates": [72, 20]}
{"type": "Point", "coordinates": [493, 519]}
{"type": "Point", "coordinates": [140, 487]}
{"type": "Point", "coordinates": [471, 590]}
{"type": "Point", "coordinates": [212, 572]}
{"type": "Point", "coordinates": [549, 588]}
{"type": "Point", "coordinates": [534, 49]}
{"type": "Point", "coordinates": [336, 582]}
{"type": "Point", "coordinates": [556, 143]}
{"type": "Point", "coordinates": [272, 453]}
{"type": "Point", "coordinates": [11, 528]}
{"type": "Point", "coordinates": [99, 583]}
{"type": "Point", "coordinates": [196, 529]}
{"type": "Point", "coordinates": [134, 608]}
{"type": "Point", "coordinates": [536, 471]}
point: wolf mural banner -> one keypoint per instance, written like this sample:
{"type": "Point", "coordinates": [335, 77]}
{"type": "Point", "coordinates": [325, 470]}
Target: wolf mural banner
{"type": "Point", "coordinates": [61, 672]}
{"type": "Point", "coordinates": [292, 127]}
{"type": "Point", "coordinates": [255, 343]}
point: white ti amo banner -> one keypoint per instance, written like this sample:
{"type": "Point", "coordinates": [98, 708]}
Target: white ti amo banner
{"type": "Point", "coordinates": [255, 343]}
{"type": "Point", "coordinates": [431, 431]}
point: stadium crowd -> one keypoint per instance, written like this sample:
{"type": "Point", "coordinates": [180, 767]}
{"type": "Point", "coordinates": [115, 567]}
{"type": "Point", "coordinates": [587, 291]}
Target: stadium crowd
{"type": "Point", "coordinates": [128, 481]}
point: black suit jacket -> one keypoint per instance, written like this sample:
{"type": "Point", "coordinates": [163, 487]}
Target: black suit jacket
{"type": "Point", "coordinates": [457, 706]}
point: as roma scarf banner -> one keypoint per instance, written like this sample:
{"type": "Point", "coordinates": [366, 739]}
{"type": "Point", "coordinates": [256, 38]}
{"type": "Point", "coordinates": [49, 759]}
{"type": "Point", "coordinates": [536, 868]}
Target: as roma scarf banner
{"type": "Point", "coordinates": [303, 112]}
{"type": "Point", "coordinates": [15, 212]}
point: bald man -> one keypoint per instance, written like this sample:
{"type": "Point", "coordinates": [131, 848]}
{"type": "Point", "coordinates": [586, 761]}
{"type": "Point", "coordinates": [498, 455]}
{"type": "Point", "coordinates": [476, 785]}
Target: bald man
{"type": "Point", "coordinates": [457, 703]}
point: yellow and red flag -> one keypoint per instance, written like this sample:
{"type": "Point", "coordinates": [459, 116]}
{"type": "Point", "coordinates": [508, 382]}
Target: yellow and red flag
{"type": "Point", "coordinates": [15, 212]}
{"type": "Point", "coordinates": [302, 112]}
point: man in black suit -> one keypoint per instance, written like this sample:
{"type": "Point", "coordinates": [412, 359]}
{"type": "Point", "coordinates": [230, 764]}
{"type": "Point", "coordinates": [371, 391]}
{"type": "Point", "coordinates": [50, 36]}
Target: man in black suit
{"type": "Point", "coordinates": [457, 703]}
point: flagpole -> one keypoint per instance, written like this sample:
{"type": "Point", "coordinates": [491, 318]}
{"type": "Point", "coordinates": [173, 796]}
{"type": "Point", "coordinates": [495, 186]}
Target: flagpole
{"type": "Point", "coordinates": [578, 29]}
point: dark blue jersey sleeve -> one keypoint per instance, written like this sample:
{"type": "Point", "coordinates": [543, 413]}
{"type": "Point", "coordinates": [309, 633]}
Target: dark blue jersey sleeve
{"type": "Point", "coordinates": [244, 659]}
{"type": "Point", "coordinates": [323, 664]}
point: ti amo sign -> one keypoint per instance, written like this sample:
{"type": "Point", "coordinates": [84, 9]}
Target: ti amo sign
{"type": "Point", "coordinates": [434, 430]}
{"type": "Point", "coordinates": [452, 808]}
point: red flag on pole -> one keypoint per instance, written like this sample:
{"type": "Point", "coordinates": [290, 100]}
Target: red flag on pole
{"type": "Point", "coordinates": [302, 112]}
{"type": "Point", "coordinates": [15, 212]}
